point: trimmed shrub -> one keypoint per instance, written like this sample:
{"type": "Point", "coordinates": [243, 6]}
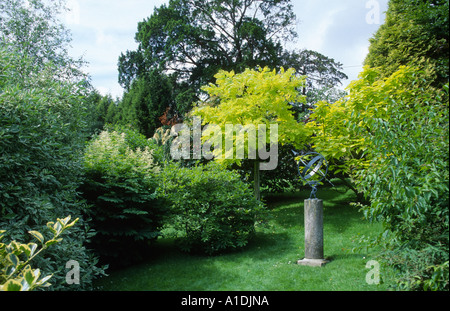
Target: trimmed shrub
{"type": "Point", "coordinates": [213, 210]}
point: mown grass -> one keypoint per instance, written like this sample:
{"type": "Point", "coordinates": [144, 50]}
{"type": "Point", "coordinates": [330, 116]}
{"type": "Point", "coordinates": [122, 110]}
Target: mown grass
{"type": "Point", "coordinates": [268, 263]}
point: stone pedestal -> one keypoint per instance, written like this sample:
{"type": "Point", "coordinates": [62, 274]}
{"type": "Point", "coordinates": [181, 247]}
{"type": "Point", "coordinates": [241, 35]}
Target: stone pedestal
{"type": "Point", "coordinates": [313, 234]}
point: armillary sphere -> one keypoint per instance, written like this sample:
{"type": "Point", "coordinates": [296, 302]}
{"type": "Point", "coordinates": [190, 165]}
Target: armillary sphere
{"type": "Point", "coordinates": [312, 168]}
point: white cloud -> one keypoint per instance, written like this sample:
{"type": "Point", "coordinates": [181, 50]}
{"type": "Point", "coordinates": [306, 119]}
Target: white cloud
{"type": "Point", "coordinates": [102, 30]}
{"type": "Point", "coordinates": [338, 29]}
{"type": "Point", "coordinates": [313, 34]}
{"type": "Point", "coordinates": [72, 17]}
{"type": "Point", "coordinates": [103, 39]}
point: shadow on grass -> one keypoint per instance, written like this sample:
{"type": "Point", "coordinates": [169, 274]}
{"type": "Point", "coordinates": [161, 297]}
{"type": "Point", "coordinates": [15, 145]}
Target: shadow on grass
{"type": "Point", "coordinates": [168, 268]}
{"type": "Point", "coordinates": [267, 262]}
{"type": "Point", "coordinates": [344, 256]}
{"type": "Point", "coordinates": [339, 215]}
{"type": "Point", "coordinates": [269, 244]}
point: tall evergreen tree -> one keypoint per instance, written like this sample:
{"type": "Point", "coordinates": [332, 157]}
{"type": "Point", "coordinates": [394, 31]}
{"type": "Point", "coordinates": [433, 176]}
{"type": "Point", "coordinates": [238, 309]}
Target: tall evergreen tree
{"type": "Point", "coordinates": [415, 33]}
{"type": "Point", "coordinates": [146, 101]}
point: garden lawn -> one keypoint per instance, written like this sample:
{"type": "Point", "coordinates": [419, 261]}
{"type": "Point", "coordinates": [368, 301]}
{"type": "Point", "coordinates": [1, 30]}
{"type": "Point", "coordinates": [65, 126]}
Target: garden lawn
{"type": "Point", "coordinates": [268, 263]}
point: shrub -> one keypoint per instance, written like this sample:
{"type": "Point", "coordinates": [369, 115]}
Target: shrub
{"type": "Point", "coordinates": [212, 209]}
{"type": "Point", "coordinates": [42, 133]}
{"type": "Point", "coordinates": [408, 184]}
{"type": "Point", "coordinates": [121, 187]}
{"type": "Point", "coordinates": [391, 136]}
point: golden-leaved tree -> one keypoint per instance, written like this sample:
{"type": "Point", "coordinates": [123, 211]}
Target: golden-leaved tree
{"type": "Point", "coordinates": [249, 102]}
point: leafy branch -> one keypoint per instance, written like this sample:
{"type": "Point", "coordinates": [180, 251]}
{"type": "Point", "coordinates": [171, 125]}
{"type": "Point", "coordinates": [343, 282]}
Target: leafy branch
{"type": "Point", "coordinates": [17, 274]}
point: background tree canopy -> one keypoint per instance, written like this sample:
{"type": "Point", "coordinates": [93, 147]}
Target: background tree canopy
{"type": "Point", "coordinates": [34, 32]}
{"type": "Point", "coordinates": [182, 46]}
{"type": "Point", "coordinates": [323, 74]}
{"type": "Point", "coordinates": [194, 39]}
{"type": "Point", "coordinates": [188, 42]}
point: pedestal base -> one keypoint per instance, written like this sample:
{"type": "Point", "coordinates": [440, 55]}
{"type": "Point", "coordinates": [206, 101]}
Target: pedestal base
{"type": "Point", "coordinates": [312, 262]}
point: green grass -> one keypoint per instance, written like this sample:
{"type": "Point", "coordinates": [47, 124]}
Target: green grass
{"type": "Point", "coordinates": [269, 261]}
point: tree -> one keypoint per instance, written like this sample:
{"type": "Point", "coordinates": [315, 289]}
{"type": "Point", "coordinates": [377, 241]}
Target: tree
{"type": "Point", "coordinates": [409, 36]}
{"type": "Point", "coordinates": [408, 185]}
{"type": "Point", "coordinates": [33, 31]}
{"type": "Point", "coordinates": [390, 135]}
{"type": "Point", "coordinates": [147, 100]}
{"type": "Point", "coordinates": [99, 113]}
{"type": "Point", "coordinates": [323, 75]}
{"type": "Point", "coordinates": [320, 70]}
{"type": "Point", "coordinates": [415, 33]}
{"type": "Point", "coordinates": [189, 41]}
{"type": "Point", "coordinates": [247, 101]}
{"type": "Point", "coordinates": [345, 151]}
{"type": "Point", "coordinates": [192, 40]}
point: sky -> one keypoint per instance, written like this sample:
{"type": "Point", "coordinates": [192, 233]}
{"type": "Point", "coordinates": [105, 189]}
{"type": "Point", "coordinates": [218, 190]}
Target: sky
{"type": "Point", "coordinates": [103, 29]}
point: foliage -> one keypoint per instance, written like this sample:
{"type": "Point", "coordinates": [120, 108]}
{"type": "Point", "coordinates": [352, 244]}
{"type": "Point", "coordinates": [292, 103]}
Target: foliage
{"type": "Point", "coordinates": [148, 98]}
{"type": "Point", "coordinates": [189, 41]}
{"type": "Point", "coordinates": [391, 136]}
{"type": "Point", "coordinates": [42, 130]}
{"type": "Point", "coordinates": [121, 187]}
{"type": "Point", "coordinates": [346, 152]}
{"type": "Point", "coordinates": [103, 111]}
{"type": "Point", "coordinates": [408, 183]}
{"type": "Point", "coordinates": [284, 178]}
{"type": "Point", "coordinates": [254, 98]}
{"type": "Point", "coordinates": [16, 273]}
{"type": "Point", "coordinates": [415, 33]}
{"type": "Point", "coordinates": [163, 139]}
{"type": "Point", "coordinates": [32, 29]}
{"type": "Point", "coordinates": [212, 209]}
{"type": "Point", "coordinates": [184, 44]}
{"type": "Point", "coordinates": [340, 128]}
{"type": "Point", "coordinates": [322, 74]}
{"type": "Point", "coordinates": [199, 38]}
{"type": "Point", "coordinates": [43, 126]}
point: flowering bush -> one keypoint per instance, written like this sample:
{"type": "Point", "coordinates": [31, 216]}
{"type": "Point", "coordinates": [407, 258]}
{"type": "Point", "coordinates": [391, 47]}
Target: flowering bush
{"type": "Point", "coordinates": [121, 188]}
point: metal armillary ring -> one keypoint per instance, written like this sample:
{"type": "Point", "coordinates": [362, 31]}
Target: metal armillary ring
{"type": "Point", "coordinates": [312, 168]}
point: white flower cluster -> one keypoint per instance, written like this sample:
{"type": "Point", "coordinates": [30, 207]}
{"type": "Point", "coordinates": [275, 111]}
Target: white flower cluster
{"type": "Point", "coordinates": [110, 152]}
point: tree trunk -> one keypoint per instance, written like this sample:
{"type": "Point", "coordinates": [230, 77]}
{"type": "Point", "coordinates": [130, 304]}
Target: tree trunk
{"type": "Point", "coordinates": [256, 176]}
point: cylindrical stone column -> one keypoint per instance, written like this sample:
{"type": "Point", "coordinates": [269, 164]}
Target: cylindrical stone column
{"type": "Point", "coordinates": [313, 234]}
{"type": "Point", "coordinates": [313, 229]}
